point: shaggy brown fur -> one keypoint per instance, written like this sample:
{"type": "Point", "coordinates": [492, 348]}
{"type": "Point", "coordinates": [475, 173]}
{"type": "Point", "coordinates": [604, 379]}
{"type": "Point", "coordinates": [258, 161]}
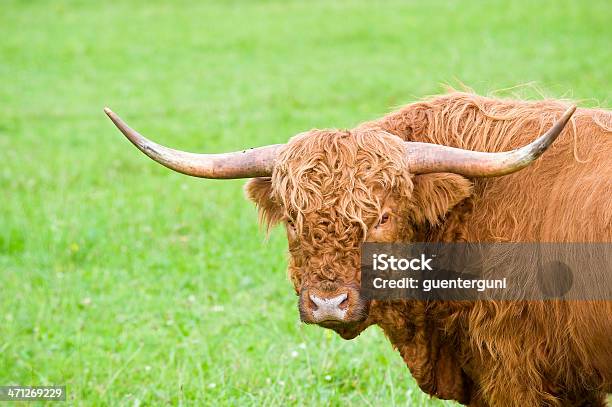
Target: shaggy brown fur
{"type": "Point", "coordinates": [331, 188]}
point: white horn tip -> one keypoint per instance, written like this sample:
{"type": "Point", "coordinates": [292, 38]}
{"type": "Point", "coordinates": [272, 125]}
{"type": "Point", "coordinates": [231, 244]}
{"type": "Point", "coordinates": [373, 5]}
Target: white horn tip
{"type": "Point", "coordinates": [570, 111]}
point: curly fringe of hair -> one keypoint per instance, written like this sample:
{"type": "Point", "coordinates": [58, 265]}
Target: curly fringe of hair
{"type": "Point", "coordinates": [340, 171]}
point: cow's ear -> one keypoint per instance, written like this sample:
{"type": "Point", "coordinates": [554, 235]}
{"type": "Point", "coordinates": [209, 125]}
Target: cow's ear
{"type": "Point", "coordinates": [434, 195]}
{"type": "Point", "coordinates": [259, 190]}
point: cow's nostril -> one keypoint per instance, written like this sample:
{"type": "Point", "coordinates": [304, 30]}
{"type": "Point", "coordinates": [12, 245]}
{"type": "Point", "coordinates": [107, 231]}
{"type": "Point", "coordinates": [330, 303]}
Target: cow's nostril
{"type": "Point", "coordinates": [329, 306]}
{"type": "Point", "coordinates": [344, 304]}
{"type": "Point", "coordinates": [312, 303]}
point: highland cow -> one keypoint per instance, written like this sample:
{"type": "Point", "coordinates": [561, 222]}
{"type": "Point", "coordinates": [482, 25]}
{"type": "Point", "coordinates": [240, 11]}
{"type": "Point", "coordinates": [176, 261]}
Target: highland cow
{"type": "Point", "coordinates": [438, 170]}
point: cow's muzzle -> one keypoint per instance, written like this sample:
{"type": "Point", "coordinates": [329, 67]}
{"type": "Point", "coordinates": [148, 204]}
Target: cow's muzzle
{"type": "Point", "coordinates": [335, 309]}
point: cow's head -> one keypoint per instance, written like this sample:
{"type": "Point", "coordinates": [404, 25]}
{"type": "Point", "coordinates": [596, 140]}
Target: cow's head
{"type": "Point", "coordinates": [333, 190]}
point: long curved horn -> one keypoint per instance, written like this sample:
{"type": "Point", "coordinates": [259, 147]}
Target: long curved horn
{"type": "Point", "coordinates": [426, 158]}
{"type": "Point", "coordinates": [255, 162]}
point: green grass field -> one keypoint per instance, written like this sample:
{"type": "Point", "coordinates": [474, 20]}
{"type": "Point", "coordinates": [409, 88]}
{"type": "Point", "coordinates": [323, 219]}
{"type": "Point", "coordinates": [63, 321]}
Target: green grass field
{"type": "Point", "coordinates": [134, 285]}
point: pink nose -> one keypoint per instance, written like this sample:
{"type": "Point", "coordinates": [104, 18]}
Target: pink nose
{"type": "Point", "coordinates": [328, 309]}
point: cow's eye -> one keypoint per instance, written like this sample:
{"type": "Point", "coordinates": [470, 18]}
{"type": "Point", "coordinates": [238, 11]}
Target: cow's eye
{"type": "Point", "coordinates": [384, 219]}
{"type": "Point", "coordinates": [290, 224]}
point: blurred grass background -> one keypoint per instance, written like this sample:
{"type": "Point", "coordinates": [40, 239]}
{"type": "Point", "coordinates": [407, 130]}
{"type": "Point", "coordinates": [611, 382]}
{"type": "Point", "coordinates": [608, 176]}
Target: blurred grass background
{"type": "Point", "coordinates": [134, 285]}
